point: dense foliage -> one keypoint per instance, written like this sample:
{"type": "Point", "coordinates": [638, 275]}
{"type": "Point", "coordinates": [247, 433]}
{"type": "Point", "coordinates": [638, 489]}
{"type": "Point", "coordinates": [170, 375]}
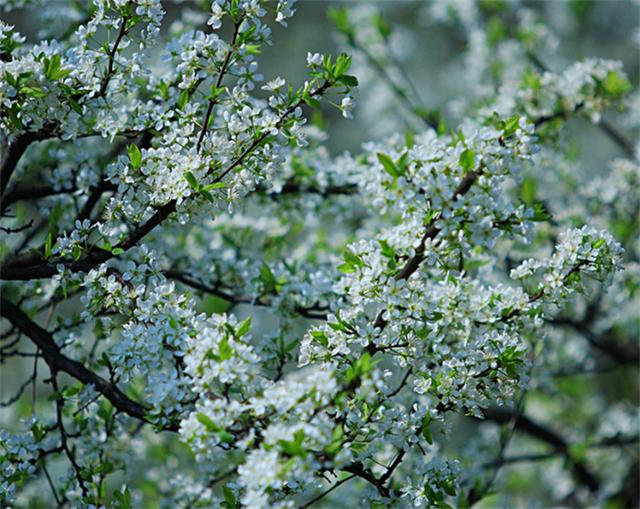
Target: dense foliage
{"type": "Point", "coordinates": [208, 309]}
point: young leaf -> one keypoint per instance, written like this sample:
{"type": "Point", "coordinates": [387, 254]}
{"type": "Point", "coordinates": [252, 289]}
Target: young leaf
{"type": "Point", "coordinates": [229, 497]}
{"type": "Point", "coordinates": [208, 196]}
{"type": "Point", "coordinates": [135, 156]}
{"type": "Point", "coordinates": [311, 101]}
{"type": "Point", "coordinates": [528, 190]}
{"type": "Point", "coordinates": [244, 327]}
{"type": "Point", "coordinates": [47, 246]}
{"type": "Point", "coordinates": [348, 80]}
{"type": "Point", "coordinates": [320, 337]}
{"type": "Point", "coordinates": [207, 422]}
{"type": "Point", "coordinates": [346, 268]}
{"type": "Point", "coordinates": [183, 98]}
{"type": "Point", "coordinates": [511, 126]}
{"type": "Point", "coordinates": [215, 92]}
{"type": "Point", "coordinates": [388, 164]}
{"type": "Point", "coordinates": [192, 180]}
{"type": "Point", "coordinates": [540, 213]}
{"type": "Point", "coordinates": [467, 160]}
{"type": "Point", "coordinates": [615, 85]}
{"type": "Point", "coordinates": [426, 431]}
{"type": "Point", "coordinates": [267, 278]}
{"type": "Point", "coordinates": [225, 437]}
{"type": "Point", "coordinates": [224, 349]}
{"type": "Point", "coordinates": [384, 29]}
{"type": "Point", "coordinates": [217, 185]}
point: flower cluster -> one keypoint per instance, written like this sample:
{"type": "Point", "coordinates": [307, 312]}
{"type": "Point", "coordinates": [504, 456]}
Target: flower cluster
{"type": "Point", "coordinates": [583, 251]}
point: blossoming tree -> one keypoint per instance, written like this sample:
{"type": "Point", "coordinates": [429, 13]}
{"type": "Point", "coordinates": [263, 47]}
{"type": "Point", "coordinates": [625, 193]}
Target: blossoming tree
{"type": "Point", "coordinates": [217, 313]}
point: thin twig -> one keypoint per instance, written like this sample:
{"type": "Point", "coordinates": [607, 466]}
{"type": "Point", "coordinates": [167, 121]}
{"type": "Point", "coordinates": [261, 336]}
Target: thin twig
{"type": "Point", "coordinates": [326, 492]}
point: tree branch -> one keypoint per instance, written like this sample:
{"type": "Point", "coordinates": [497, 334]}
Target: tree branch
{"type": "Point", "coordinates": [358, 469]}
{"type": "Point", "coordinates": [625, 352]}
{"type": "Point", "coordinates": [12, 154]}
{"type": "Point", "coordinates": [184, 278]}
{"type": "Point", "coordinates": [112, 56]}
{"type": "Point", "coordinates": [327, 491]}
{"type": "Point", "coordinates": [540, 432]}
{"type": "Point", "coordinates": [223, 70]}
{"type": "Point", "coordinates": [57, 361]}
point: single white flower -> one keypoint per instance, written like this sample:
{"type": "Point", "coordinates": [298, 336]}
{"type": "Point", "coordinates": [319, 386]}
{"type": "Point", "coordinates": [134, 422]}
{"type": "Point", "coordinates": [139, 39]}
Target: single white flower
{"type": "Point", "coordinates": [215, 20]}
{"type": "Point", "coordinates": [346, 106]}
{"type": "Point", "coordinates": [314, 58]}
{"type": "Point", "coordinates": [275, 84]}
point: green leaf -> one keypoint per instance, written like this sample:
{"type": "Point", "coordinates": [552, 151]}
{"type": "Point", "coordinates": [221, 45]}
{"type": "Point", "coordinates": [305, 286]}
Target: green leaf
{"type": "Point", "coordinates": [540, 213]}
{"type": "Point", "coordinates": [336, 440]}
{"type": "Point", "coordinates": [467, 160]}
{"type": "Point", "coordinates": [76, 252]}
{"type": "Point", "coordinates": [135, 156]}
{"type": "Point", "coordinates": [122, 499]}
{"type": "Point", "coordinates": [343, 62]}
{"type": "Point", "coordinates": [47, 246]}
{"type": "Point", "coordinates": [229, 497]}
{"type": "Point", "coordinates": [320, 337]}
{"type": "Point", "coordinates": [386, 250]}
{"type": "Point", "coordinates": [39, 431]}
{"type": "Point", "coordinates": [388, 164]}
{"type": "Point", "coordinates": [33, 91]}
{"type": "Point", "coordinates": [244, 327]}
{"type": "Point", "coordinates": [225, 437]}
{"type": "Point", "coordinates": [496, 31]}
{"type": "Point", "coordinates": [215, 92]}
{"type": "Point", "coordinates": [267, 278]}
{"type": "Point", "coordinates": [183, 98]}
{"type": "Point", "coordinates": [409, 139]}
{"type": "Point", "coordinates": [212, 356]}
{"type": "Point", "coordinates": [511, 126]}
{"type": "Point", "coordinates": [207, 422]}
{"type": "Point", "coordinates": [311, 101]}
{"type": "Point", "coordinates": [11, 79]}
{"type": "Point", "coordinates": [224, 349]}
{"type": "Point", "coordinates": [291, 345]}
{"type": "Point", "coordinates": [384, 29]}
{"type": "Point", "coordinates": [615, 84]}
{"type": "Point", "coordinates": [54, 396]}
{"type": "Point", "coordinates": [340, 17]}
{"type": "Point", "coordinates": [208, 196]}
{"type": "Point", "coordinates": [294, 447]}
{"type": "Point", "coordinates": [164, 90]}
{"type": "Point", "coordinates": [528, 191]}
{"type": "Point", "coordinates": [75, 106]}
{"type": "Point", "coordinates": [216, 185]}
{"type": "Point", "coordinates": [53, 68]}
{"type": "Point", "coordinates": [426, 430]}
{"type": "Point", "coordinates": [348, 80]}
{"type": "Point", "coordinates": [360, 367]}
{"type": "Point", "coordinates": [104, 468]}
{"type": "Point", "coordinates": [51, 65]}
{"type": "Point", "coordinates": [69, 392]}
{"type": "Point", "coordinates": [448, 488]}
{"type": "Point", "coordinates": [105, 412]}
{"type": "Point", "coordinates": [192, 180]}
{"type": "Point", "coordinates": [352, 259]}
{"type": "Point", "coordinates": [117, 251]}
{"type": "Point", "coordinates": [346, 268]}
{"type": "Point", "coordinates": [252, 49]}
